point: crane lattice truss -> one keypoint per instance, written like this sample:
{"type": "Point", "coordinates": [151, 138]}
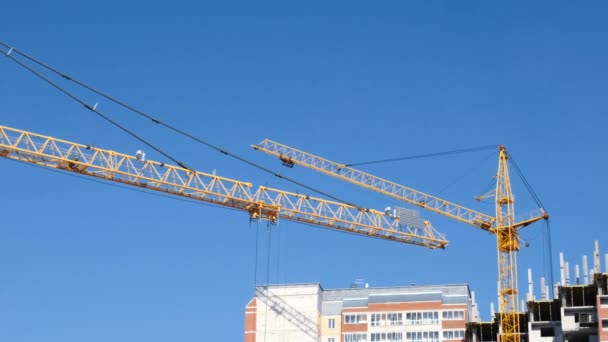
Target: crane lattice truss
{"type": "Point", "coordinates": [507, 239]}
{"type": "Point", "coordinates": [290, 156]}
{"type": "Point", "coordinates": [265, 203]}
{"type": "Point", "coordinates": [503, 224]}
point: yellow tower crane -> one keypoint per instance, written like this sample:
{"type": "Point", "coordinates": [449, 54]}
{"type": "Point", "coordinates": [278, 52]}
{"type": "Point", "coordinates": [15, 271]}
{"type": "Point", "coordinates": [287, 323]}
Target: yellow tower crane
{"type": "Point", "coordinates": [502, 224]}
{"type": "Point", "coordinates": [265, 203]}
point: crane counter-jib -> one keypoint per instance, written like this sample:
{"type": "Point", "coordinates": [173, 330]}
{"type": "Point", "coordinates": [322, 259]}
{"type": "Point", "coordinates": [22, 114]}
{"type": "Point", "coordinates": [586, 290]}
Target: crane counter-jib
{"type": "Point", "coordinates": [265, 203]}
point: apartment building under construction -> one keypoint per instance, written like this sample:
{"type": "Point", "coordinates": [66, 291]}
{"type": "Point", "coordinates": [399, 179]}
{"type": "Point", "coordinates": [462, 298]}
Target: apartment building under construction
{"type": "Point", "coordinates": [576, 312]}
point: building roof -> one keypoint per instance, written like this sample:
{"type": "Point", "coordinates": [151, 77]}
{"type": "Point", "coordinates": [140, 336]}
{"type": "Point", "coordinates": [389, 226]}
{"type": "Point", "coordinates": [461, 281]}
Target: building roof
{"type": "Point", "coordinates": [334, 300]}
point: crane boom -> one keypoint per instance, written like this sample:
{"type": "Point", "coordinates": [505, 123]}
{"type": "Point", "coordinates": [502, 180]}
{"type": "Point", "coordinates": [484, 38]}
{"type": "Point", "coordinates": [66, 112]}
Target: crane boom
{"type": "Point", "coordinates": [265, 203]}
{"type": "Point", "coordinates": [503, 224]}
{"type": "Point", "coordinates": [290, 156]}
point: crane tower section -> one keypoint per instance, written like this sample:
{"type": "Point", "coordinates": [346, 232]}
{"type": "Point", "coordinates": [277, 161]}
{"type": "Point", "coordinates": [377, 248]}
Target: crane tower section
{"type": "Point", "coordinates": [507, 239]}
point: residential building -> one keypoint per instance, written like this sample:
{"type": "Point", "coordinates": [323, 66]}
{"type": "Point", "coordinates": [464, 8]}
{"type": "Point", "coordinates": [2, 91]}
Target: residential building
{"type": "Point", "coordinates": [307, 312]}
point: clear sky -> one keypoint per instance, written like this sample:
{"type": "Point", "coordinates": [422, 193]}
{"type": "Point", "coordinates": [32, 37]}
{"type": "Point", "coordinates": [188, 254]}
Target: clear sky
{"type": "Point", "coordinates": [352, 81]}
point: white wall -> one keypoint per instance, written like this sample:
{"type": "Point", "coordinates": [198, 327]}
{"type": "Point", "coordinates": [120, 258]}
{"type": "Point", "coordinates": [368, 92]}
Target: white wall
{"type": "Point", "coordinates": [288, 313]}
{"type": "Point", "coordinates": [534, 335]}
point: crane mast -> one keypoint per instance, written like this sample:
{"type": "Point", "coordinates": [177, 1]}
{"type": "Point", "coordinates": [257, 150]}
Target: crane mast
{"type": "Point", "coordinates": [507, 239]}
{"type": "Point", "coordinates": [266, 203]}
{"type": "Point", "coordinates": [503, 224]}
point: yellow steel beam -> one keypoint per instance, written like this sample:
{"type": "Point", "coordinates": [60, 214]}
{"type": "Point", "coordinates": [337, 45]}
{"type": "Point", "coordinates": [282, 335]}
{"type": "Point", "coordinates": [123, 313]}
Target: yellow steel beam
{"type": "Point", "coordinates": [320, 212]}
{"type": "Point", "coordinates": [269, 204]}
{"type": "Point", "coordinates": [290, 156]}
{"type": "Point", "coordinates": [507, 240]}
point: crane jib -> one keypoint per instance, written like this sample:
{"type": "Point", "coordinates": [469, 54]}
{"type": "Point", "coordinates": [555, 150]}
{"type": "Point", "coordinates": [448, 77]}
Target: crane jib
{"type": "Point", "coordinates": [265, 203]}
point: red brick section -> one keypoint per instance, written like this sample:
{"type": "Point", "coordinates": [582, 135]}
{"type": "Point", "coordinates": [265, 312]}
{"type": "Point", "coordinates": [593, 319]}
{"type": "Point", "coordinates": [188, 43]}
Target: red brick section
{"type": "Point", "coordinates": [457, 324]}
{"type": "Point", "coordinates": [250, 316]}
{"type": "Point", "coordinates": [602, 314]}
{"type": "Point", "coordinates": [360, 327]}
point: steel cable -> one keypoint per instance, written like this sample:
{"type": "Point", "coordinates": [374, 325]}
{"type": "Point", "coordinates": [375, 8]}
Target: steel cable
{"type": "Point", "coordinates": [155, 120]}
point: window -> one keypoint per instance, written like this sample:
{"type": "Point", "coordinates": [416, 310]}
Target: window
{"type": "Point", "coordinates": [375, 320]}
{"type": "Point", "coordinates": [584, 317]}
{"type": "Point", "coordinates": [605, 324]}
{"type": "Point", "coordinates": [331, 323]}
{"type": "Point", "coordinates": [422, 336]}
{"type": "Point", "coordinates": [355, 318]}
{"type": "Point", "coordinates": [355, 337]}
{"type": "Point", "coordinates": [392, 318]}
{"type": "Point", "coordinates": [331, 339]}
{"type": "Point", "coordinates": [453, 334]}
{"type": "Point", "coordinates": [386, 337]}
{"type": "Point", "coordinates": [423, 317]}
{"type": "Point", "coordinates": [453, 315]}
{"type": "Point", "coordinates": [547, 332]}
{"type": "Point", "coordinates": [604, 301]}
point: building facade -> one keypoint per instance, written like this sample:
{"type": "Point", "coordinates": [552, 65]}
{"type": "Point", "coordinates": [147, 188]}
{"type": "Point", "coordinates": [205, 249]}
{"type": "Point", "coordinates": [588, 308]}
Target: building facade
{"type": "Point", "coordinates": [307, 312]}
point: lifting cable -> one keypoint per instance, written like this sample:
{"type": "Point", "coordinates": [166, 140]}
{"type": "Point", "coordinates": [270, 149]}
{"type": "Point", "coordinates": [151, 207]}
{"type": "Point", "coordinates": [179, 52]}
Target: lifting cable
{"type": "Point", "coordinates": [426, 155]}
{"type": "Point", "coordinates": [257, 239]}
{"type": "Point", "coordinates": [94, 110]}
{"type": "Point", "coordinates": [269, 227]}
{"type": "Point", "coordinates": [277, 262]}
{"type": "Point", "coordinates": [155, 120]}
{"type": "Point", "coordinates": [542, 207]}
{"type": "Point", "coordinates": [268, 252]}
{"type": "Point", "coordinates": [526, 183]}
{"type": "Point", "coordinates": [548, 236]}
{"type": "Point", "coordinates": [467, 173]}
{"type": "Point", "coordinates": [435, 154]}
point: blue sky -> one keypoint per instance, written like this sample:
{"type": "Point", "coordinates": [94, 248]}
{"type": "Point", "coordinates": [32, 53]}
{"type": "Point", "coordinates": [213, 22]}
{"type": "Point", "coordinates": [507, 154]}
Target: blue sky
{"type": "Point", "coordinates": [352, 81]}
